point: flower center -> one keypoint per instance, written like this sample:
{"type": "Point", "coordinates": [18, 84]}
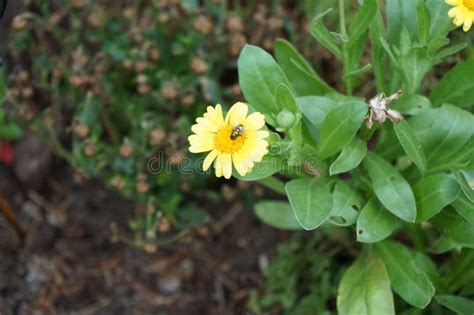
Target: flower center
{"type": "Point", "coordinates": [224, 143]}
{"type": "Point", "coordinates": [469, 4]}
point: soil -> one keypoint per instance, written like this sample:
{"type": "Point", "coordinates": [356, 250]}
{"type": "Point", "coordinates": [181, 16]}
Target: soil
{"type": "Point", "coordinates": [68, 264]}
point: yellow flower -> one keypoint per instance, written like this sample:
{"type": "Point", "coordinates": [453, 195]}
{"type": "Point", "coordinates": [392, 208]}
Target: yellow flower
{"type": "Point", "coordinates": [463, 13]}
{"type": "Point", "coordinates": [237, 139]}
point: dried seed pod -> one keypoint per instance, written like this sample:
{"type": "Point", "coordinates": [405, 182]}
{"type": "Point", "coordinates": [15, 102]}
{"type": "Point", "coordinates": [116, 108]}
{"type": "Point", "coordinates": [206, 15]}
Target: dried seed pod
{"type": "Point", "coordinates": [141, 78]}
{"type": "Point", "coordinates": [81, 130]}
{"type": "Point", "coordinates": [126, 150]}
{"type": "Point", "coordinates": [163, 17]}
{"type": "Point", "coordinates": [78, 4]}
{"type": "Point", "coordinates": [90, 149]}
{"type": "Point", "coordinates": [163, 225]}
{"type": "Point", "coordinates": [199, 65]}
{"type": "Point", "coordinates": [27, 92]}
{"type": "Point", "coordinates": [169, 91]}
{"type": "Point", "coordinates": [100, 68]}
{"type": "Point", "coordinates": [142, 186]}
{"type": "Point", "coordinates": [234, 24]}
{"type": "Point", "coordinates": [95, 19]}
{"type": "Point", "coordinates": [117, 182]}
{"type": "Point", "coordinates": [144, 88]}
{"type": "Point", "coordinates": [235, 43]}
{"type": "Point", "coordinates": [129, 13]}
{"type": "Point", "coordinates": [157, 137]}
{"type": "Point", "coordinates": [154, 54]}
{"type": "Point", "coordinates": [19, 22]}
{"type": "Point", "coordinates": [22, 76]}
{"type": "Point", "coordinates": [188, 99]}
{"type": "Point", "coordinates": [127, 64]}
{"type": "Point", "coordinates": [141, 66]}
{"type": "Point", "coordinates": [203, 25]}
{"type": "Point", "coordinates": [177, 158]}
{"type": "Point", "coordinates": [236, 90]}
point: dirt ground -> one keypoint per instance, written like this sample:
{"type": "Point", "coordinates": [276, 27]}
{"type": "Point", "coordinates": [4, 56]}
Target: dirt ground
{"type": "Point", "coordinates": [69, 265]}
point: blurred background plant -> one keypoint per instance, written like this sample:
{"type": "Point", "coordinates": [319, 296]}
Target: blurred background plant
{"type": "Point", "coordinates": [114, 86]}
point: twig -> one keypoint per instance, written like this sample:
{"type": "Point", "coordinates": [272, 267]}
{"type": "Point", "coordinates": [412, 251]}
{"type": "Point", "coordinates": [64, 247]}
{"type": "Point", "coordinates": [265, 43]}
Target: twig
{"type": "Point", "coordinates": [11, 218]}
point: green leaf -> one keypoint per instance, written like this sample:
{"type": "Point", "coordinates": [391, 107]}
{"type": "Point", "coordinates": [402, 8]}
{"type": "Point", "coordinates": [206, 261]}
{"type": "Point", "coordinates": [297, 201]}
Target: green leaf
{"type": "Point", "coordinates": [449, 51]}
{"type": "Point", "coordinates": [411, 104]}
{"type": "Point", "coordinates": [377, 31]}
{"type": "Point", "coordinates": [365, 289]}
{"type": "Point", "coordinates": [401, 13]}
{"type": "Point", "coordinates": [441, 23]}
{"type": "Point", "coordinates": [322, 35]}
{"type": "Point", "coordinates": [424, 22]}
{"type": "Point", "coordinates": [444, 133]}
{"type": "Point", "coordinates": [455, 228]}
{"type": "Point", "coordinates": [285, 99]}
{"type": "Point", "coordinates": [339, 127]}
{"type": "Point", "coordinates": [346, 202]}
{"type": "Point", "coordinates": [413, 67]}
{"type": "Point", "coordinates": [311, 201]}
{"type": "Point", "coordinates": [298, 70]}
{"type": "Point", "coordinates": [315, 108]}
{"type": "Point", "coordinates": [410, 144]}
{"type": "Point", "coordinates": [458, 304]}
{"type": "Point", "coordinates": [456, 87]}
{"type": "Point", "coordinates": [3, 86]}
{"type": "Point", "coordinates": [433, 193]}
{"type": "Point", "coordinates": [407, 280]}
{"type": "Point", "coordinates": [375, 223]}
{"type": "Point", "coordinates": [259, 77]}
{"type": "Point", "coordinates": [391, 188]}
{"type": "Point", "coordinates": [362, 20]}
{"type": "Point", "coordinates": [269, 165]}
{"type": "Point", "coordinates": [277, 214]}
{"type": "Point", "coordinates": [350, 157]}
{"type": "Point", "coordinates": [465, 186]}
{"type": "Point", "coordinates": [465, 208]}
{"type": "Point", "coordinates": [10, 131]}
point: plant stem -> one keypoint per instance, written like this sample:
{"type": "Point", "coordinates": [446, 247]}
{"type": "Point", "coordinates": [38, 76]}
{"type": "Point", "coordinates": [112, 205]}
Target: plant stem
{"type": "Point", "coordinates": [345, 56]}
{"type": "Point", "coordinates": [274, 184]}
{"type": "Point", "coordinates": [417, 236]}
{"type": "Point", "coordinates": [342, 18]}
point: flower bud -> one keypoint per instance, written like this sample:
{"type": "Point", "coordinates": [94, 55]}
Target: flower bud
{"type": "Point", "coordinates": [286, 119]}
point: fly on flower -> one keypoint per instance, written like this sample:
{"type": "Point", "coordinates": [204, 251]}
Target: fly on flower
{"type": "Point", "coordinates": [235, 141]}
{"type": "Point", "coordinates": [463, 13]}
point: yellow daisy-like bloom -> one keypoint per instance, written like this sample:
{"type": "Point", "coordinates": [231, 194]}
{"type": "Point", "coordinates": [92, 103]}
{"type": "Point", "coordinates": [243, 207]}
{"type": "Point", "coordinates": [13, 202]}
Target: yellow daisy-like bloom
{"type": "Point", "coordinates": [463, 13]}
{"type": "Point", "coordinates": [236, 140]}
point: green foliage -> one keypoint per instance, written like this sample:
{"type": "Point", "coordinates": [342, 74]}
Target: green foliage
{"type": "Point", "coordinates": [373, 294]}
{"type": "Point", "coordinates": [300, 280]}
{"type": "Point", "coordinates": [408, 178]}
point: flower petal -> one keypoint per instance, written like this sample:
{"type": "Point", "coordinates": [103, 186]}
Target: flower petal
{"type": "Point", "coordinates": [218, 165]}
{"type": "Point", "coordinates": [237, 114]}
{"type": "Point", "coordinates": [467, 24]}
{"type": "Point", "coordinates": [215, 115]}
{"type": "Point", "coordinates": [209, 159]}
{"type": "Point", "coordinates": [254, 121]}
{"type": "Point", "coordinates": [198, 143]}
{"type": "Point", "coordinates": [453, 2]}
{"type": "Point", "coordinates": [227, 165]}
{"type": "Point", "coordinates": [239, 164]}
